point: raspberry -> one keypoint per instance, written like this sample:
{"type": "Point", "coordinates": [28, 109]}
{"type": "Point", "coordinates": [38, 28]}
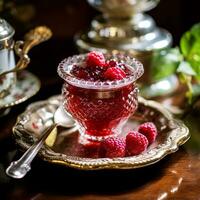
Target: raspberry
{"type": "Point", "coordinates": [96, 73]}
{"type": "Point", "coordinates": [91, 149]}
{"type": "Point", "coordinates": [114, 73]}
{"type": "Point", "coordinates": [136, 143]}
{"type": "Point", "coordinates": [149, 130]}
{"type": "Point", "coordinates": [112, 147]}
{"type": "Point", "coordinates": [111, 63]}
{"type": "Point", "coordinates": [80, 72]}
{"type": "Point", "coordinates": [95, 59]}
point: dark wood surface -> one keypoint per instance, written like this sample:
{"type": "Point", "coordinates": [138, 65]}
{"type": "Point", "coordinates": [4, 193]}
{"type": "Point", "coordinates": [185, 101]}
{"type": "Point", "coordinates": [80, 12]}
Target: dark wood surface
{"type": "Point", "coordinates": [175, 177]}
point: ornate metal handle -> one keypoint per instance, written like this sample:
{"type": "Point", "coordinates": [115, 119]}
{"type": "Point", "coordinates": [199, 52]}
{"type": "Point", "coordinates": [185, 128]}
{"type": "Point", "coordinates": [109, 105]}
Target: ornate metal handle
{"type": "Point", "coordinates": [18, 169]}
{"type": "Point", "coordinates": [32, 38]}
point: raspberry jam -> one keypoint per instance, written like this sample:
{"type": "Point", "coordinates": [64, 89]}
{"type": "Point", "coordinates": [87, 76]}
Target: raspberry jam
{"type": "Point", "coordinates": [100, 112]}
{"type": "Point", "coordinates": [100, 98]}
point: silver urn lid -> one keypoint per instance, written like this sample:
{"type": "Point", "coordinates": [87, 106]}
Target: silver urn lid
{"type": "Point", "coordinates": [6, 30]}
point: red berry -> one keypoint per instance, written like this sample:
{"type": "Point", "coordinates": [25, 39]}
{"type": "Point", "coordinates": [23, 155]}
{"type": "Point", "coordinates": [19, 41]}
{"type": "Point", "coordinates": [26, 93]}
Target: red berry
{"type": "Point", "coordinates": [80, 72]}
{"type": "Point", "coordinates": [112, 147]}
{"type": "Point", "coordinates": [149, 130]}
{"type": "Point", "coordinates": [111, 63]}
{"type": "Point", "coordinates": [136, 143]}
{"type": "Point", "coordinates": [91, 149]}
{"type": "Point", "coordinates": [95, 59]}
{"type": "Point", "coordinates": [96, 73]}
{"type": "Point", "coordinates": [114, 73]}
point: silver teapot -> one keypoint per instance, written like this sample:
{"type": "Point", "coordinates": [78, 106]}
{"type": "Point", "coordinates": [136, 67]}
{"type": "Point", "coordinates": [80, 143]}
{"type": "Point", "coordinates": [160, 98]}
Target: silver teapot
{"type": "Point", "coordinates": [7, 60]}
{"type": "Point", "coordinates": [8, 46]}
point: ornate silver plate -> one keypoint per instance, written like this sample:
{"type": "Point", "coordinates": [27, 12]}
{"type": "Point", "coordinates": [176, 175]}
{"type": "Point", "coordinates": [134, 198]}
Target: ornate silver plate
{"type": "Point", "coordinates": [65, 149]}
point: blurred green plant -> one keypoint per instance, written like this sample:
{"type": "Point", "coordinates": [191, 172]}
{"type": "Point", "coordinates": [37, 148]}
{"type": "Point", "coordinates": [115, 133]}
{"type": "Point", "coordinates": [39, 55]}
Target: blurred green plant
{"type": "Point", "coordinates": [183, 60]}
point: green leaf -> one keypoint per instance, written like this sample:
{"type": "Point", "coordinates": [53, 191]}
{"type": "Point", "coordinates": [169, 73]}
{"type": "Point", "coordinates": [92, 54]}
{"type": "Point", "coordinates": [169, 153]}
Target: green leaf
{"type": "Point", "coordinates": [165, 63]}
{"type": "Point", "coordinates": [196, 89]}
{"type": "Point", "coordinates": [186, 68]}
{"type": "Point", "coordinates": [190, 48]}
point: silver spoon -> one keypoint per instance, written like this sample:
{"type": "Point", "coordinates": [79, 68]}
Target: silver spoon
{"type": "Point", "coordinates": [18, 169]}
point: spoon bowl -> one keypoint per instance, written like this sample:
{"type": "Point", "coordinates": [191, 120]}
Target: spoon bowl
{"type": "Point", "coordinates": [63, 118]}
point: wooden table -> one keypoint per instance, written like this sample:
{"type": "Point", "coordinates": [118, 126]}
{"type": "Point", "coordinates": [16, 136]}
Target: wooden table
{"type": "Point", "coordinates": [175, 177]}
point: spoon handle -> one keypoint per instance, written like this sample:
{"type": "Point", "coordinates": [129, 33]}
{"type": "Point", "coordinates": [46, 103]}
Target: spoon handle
{"type": "Point", "coordinates": [18, 169]}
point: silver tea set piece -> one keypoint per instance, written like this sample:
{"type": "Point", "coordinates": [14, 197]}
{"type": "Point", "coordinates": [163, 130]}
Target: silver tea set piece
{"type": "Point", "coordinates": [8, 67]}
{"type": "Point", "coordinates": [123, 26]}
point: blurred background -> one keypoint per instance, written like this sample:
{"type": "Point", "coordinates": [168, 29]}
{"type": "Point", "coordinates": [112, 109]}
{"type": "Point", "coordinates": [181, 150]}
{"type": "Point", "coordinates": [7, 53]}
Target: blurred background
{"type": "Point", "coordinates": [68, 17]}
